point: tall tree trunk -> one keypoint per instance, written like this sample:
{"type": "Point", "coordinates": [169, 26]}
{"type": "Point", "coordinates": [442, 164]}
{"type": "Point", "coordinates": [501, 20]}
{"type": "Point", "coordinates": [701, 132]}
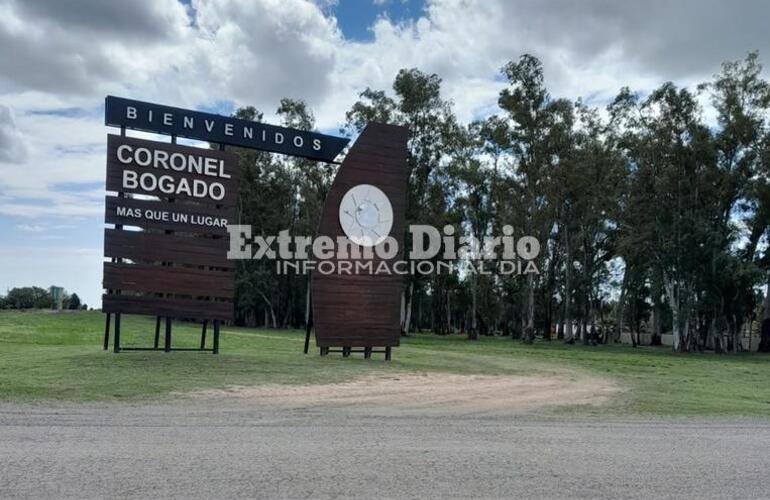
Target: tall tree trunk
{"type": "Point", "coordinates": [548, 318]}
{"type": "Point", "coordinates": [764, 339]}
{"type": "Point", "coordinates": [588, 322]}
{"type": "Point", "coordinates": [473, 333]}
{"type": "Point", "coordinates": [568, 334]}
{"type": "Point", "coordinates": [714, 334]}
{"type": "Point", "coordinates": [737, 326]}
{"type": "Point", "coordinates": [270, 308]}
{"type": "Point", "coordinates": [621, 308]}
{"type": "Point", "coordinates": [677, 340]}
{"type": "Point", "coordinates": [656, 326]}
{"type": "Point", "coordinates": [529, 325]}
{"type": "Point", "coordinates": [702, 332]}
{"type": "Point", "coordinates": [409, 303]}
{"type": "Point", "coordinates": [678, 321]}
{"type": "Point", "coordinates": [448, 312]}
{"type": "Point", "coordinates": [419, 315]}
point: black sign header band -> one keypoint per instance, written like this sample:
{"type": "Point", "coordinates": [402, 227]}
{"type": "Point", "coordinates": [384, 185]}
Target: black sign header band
{"type": "Point", "coordinates": [156, 118]}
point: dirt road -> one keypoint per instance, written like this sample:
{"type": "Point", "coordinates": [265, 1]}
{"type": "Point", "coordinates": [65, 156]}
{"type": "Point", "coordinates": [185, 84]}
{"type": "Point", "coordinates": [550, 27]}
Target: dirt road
{"type": "Point", "coordinates": [261, 444]}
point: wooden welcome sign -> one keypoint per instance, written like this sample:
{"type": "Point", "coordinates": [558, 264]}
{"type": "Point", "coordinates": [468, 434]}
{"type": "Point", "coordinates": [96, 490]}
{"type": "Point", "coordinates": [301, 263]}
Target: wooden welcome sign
{"type": "Point", "coordinates": [169, 206]}
{"type": "Point", "coordinates": [175, 265]}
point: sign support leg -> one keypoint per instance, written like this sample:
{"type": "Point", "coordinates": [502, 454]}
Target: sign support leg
{"type": "Point", "coordinates": [307, 337]}
{"type": "Point", "coordinates": [116, 337]}
{"type": "Point", "coordinates": [308, 317]}
{"type": "Point", "coordinates": [167, 343]}
{"type": "Point", "coordinates": [308, 328]}
{"type": "Point", "coordinates": [215, 350]}
{"type": "Point", "coordinates": [203, 333]}
{"type": "Point", "coordinates": [107, 332]}
{"type": "Point", "coordinates": [387, 353]}
{"type": "Point", "coordinates": [157, 332]}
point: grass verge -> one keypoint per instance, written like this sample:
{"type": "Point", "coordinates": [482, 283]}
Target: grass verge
{"type": "Point", "coordinates": [58, 356]}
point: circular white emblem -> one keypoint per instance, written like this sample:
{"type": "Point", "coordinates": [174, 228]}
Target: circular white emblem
{"type": "Point", "coordinates": [366, 215]}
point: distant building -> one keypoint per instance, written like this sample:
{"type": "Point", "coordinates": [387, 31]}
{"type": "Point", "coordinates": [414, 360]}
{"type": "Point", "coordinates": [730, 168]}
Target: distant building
{"type": "Point", "coordinates": [57, 296]}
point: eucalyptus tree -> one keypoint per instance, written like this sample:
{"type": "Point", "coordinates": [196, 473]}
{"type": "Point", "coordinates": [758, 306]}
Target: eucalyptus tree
{"type": "Point", "coordinates": [277, 193]}
{"type": "Point", "coordinates": [537, 124]}
{"type": "Point", "coordinates": [560, 188]}
{"type": "Point", "coordinates": [741, 99]}
{"type": "Point", "coordinates": [669, 216]}
{"type": "Point", "coordinates": [264, 190]}
{"type": "Point", "coordinates": [473, 181]}
{"type": "Point", "coordinates": [634, 224]}
{"type": "Point", "coordinates": [595, 183]}
{"type": "Point", "coordinates": [311, 181]}
{"type": "Point", "coordinates": [501, 185]}
{"type": "Point", "coordinates": [761, 226]}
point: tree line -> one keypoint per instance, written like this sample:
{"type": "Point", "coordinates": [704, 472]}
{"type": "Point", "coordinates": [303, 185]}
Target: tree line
{"type": "Point", "coordinates": [34, 297]}
{"type": "Point", "coordinates": [653, 209]}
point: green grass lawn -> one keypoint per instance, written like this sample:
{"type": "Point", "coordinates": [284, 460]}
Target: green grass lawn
{"type": "Point", "coordinates": [58, 356]}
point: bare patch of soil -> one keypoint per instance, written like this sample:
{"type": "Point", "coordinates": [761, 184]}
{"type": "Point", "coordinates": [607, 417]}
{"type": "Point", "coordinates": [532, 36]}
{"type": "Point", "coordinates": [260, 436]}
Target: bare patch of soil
{"type": "Point", "coordinates": [433, 393]}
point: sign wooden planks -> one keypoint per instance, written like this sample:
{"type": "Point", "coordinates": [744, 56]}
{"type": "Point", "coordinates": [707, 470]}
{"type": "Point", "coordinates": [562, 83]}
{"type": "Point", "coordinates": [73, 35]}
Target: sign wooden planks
{"type": "Point", "coordinates": [364, 310]}
{"type": "Point", "coordinates": [177, 200]}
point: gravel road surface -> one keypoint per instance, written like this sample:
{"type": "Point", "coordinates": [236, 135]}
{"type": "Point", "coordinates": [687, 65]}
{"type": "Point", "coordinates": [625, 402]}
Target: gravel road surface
{"type": "Point", "coordinates": [226, 448]}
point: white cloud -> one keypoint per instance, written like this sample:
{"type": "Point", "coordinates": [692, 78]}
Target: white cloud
{"type": "Point", "coordinates": [261, 51]}
{"type": "Point", "coordinates": [64, 154]}
{"type": "Point", "coordinates": [44, 227]}
{"type": "Point", "coordinates": [60, 58]}
{"type": "Point", "coordinates": [13, 149]}
{"type": "Point", "coordinates": [75, 47]}
{"type": "Point", "coordinates": [31, 228]}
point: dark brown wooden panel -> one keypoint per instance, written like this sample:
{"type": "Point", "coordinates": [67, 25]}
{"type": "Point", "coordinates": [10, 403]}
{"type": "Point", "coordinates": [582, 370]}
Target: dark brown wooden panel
{"type": "Point", "coordinates": [160, 247]}
{"type": "Point", "coordinates": [115, 168]}
{"type": "Point", "coordinates": [387, 185]}
{"type": "Point", "coordinates": [343, 281]}
{"type": "Point", "coordinates": [372, 158]}
{"type": "Point", "coordinates": [372, 338]}
{"type": "Point", "coordinates": [364, 310]}
{"type": "Point", "coordinates": [171, 280]}
{"type": "Point", "coordinates": [170, 307]}
{"type": "Point", "coordinates": [142, 207]}
{"type": "Point", "coordinates": [197, 251]}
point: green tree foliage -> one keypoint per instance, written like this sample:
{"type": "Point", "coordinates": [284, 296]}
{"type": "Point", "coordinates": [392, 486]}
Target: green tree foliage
{"type": "Point", "coordinates": [649, 212]}
{"type": "Point", "coordinates": [277, 194]}
{"type": "Point", "coordinates": [29, 297]}
{"type": "Point", "coordinates": [73, 302]}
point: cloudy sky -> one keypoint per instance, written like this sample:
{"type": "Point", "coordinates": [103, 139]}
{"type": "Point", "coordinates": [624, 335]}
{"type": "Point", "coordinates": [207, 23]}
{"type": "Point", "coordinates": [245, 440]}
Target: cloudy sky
{"type": "Point", "coordinates": [59, 58]}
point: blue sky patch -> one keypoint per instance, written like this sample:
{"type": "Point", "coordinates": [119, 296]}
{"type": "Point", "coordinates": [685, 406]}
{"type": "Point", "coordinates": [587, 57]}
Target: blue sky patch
{"type": "Point", "coordinates": [355, 17]}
